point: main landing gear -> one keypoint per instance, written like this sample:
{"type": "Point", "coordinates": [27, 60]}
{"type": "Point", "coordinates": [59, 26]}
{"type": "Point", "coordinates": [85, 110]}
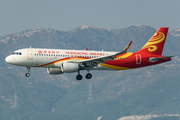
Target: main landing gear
{"type": "Point", "coordinates": [88, 76]}
{"type": "Point", "coordinates": [28, 70]}
{"type": "Point", "coordinates": [79, 77]}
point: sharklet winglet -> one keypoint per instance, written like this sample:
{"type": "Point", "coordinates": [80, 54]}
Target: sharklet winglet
{"type": "Point", "coordinates": [128, 46]}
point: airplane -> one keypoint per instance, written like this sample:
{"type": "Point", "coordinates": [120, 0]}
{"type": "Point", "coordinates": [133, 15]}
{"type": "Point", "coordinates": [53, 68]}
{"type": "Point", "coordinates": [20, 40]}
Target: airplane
{"type": "Point", "coordinates": [59, 61]}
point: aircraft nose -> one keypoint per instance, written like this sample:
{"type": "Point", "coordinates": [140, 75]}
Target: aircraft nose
{"type": "Point", "coordinates": [8, 59]}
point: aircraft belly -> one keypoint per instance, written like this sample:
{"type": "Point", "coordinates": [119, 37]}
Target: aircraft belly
{"type": "Point", "coordinates": [41, 62]}
{"type": "Point", "coordinates": [114, 67]}
{"type": "Point", "coordinates": [100, 67]}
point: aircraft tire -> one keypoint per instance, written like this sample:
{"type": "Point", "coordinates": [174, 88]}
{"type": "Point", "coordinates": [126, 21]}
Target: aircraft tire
{"type": "Point", "coordinates": [88, 76]}
{"type": "Point", "coordinates": [79, 77]}
{"type": "Point", "coordinates": [27, 74]}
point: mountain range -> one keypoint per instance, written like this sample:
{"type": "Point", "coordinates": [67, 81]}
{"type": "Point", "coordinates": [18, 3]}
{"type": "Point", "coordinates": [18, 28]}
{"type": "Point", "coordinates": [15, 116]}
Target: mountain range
{"type": "Point", "coordinates": [110, 94]}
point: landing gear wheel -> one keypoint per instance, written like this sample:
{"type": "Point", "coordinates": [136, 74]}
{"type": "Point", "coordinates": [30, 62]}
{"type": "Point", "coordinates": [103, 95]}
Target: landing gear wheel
{"type": "Point", "coordinates": [79, 77]}
{"type": "Point", "coordinates": [27, 74]}
{"type": "Point", "coordinates": [88, 76]}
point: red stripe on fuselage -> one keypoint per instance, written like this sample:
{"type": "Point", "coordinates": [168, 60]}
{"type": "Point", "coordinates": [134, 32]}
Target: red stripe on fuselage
{"type": "Point", "coordinates": [129, 62]}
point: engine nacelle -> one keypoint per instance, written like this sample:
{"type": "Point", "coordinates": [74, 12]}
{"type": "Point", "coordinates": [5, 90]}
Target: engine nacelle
{"type": "Point", "coordinates": [70, 67]}
{"type": "Point", "coordinates": [54, 71]}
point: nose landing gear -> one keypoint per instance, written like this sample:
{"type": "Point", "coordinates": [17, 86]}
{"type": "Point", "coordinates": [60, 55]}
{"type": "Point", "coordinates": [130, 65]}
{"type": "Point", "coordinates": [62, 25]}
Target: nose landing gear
{"type": "Point", "coordinates": [28, 70]}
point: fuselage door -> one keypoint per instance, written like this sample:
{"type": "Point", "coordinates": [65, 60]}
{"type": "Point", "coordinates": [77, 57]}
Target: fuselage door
{"type": "Point", "coordinates": [138, 59]}
{"type": "Point", "coordinates": [30, 54]}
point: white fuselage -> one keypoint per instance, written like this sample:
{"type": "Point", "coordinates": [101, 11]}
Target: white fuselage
{"type": "Point", "coordinates": [51, 58]}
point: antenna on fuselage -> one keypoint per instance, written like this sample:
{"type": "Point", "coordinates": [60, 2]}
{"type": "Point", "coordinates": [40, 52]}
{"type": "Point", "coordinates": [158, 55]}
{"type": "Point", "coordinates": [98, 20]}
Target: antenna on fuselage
{"type": "Point", "coordinates": [30, 47]}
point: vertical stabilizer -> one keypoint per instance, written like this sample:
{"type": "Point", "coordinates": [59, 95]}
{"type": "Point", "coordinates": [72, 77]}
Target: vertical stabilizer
{"type": "Point", "coordinates": [156, 44]}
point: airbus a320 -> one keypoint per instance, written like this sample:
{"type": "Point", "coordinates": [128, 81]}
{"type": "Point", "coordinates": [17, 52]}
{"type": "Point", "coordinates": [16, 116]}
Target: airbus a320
{"type": "Point", "coordinates": [59, 61]}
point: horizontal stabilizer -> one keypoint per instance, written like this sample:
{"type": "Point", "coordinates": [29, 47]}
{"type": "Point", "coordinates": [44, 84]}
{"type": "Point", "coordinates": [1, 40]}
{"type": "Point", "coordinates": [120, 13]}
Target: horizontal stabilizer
{"type": "Point", "coordinates": [153, 59]}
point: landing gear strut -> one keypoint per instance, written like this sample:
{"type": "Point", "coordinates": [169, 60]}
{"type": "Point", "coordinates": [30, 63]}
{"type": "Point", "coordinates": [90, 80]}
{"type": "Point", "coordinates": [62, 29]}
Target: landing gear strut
{"type": "Point", "coordinates": [88, 75]}
{"type": "Point", "coordinates": [28, 70]}
{"type": "Point", "coordinates": [79, 77]}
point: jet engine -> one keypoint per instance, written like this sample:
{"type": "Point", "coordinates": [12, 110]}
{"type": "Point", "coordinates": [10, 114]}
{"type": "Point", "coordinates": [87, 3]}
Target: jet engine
{"type": "Point", "coordinates": [70, 67]}
{"type": "Point", "coordinates": [54, 71]}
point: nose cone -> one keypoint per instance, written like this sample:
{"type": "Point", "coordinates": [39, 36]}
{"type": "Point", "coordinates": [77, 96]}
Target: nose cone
{"type": "Point", "coordinates": [14, 60]}
{"type": "Point", "coordinates": [8, 59]}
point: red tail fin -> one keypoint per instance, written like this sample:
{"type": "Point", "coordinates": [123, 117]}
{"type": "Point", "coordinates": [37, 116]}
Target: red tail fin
{"type": "Point", "coordinates": [156, 44]}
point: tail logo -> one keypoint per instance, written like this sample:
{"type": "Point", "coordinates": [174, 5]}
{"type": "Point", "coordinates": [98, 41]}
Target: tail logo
{"type": "Point", "coordinates": [157, 38]}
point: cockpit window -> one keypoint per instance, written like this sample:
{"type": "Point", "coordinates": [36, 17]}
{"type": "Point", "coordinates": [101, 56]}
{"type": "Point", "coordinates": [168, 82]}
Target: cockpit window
{"type": "Point", "coordinates": [17, 53]}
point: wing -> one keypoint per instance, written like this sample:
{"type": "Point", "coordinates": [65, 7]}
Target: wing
{"type": "Point", "coordinates": [94, 61]}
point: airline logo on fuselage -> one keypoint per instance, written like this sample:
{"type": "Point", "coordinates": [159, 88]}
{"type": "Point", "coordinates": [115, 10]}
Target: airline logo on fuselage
{"type": "Point", "coordinates": [70, 52]}
{"type": "Point", "coordinates": [48, 52]}
{"type": "Point", "coordinates": [84, 53]}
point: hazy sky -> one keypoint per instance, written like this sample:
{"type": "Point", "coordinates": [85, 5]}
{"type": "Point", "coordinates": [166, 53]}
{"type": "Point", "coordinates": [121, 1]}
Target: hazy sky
{"type": "Point", "coordinates": [19, 15]}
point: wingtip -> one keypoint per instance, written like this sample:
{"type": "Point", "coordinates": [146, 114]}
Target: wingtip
{"type": "Point", "coordinates": [128, 46]}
